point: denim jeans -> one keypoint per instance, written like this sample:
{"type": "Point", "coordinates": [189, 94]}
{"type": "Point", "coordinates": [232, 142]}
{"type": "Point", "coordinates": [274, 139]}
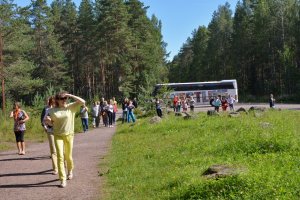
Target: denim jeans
{"type": "Point", "coordinates": [130, 115]}
{"type": "Point", "coordinates": [85, 124]}
{"type": "Point", "coordinates": [124, 116]}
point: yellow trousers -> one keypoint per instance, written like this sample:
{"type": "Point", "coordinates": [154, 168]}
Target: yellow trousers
{"type": "Point", "coordinates": [64, 148]}
{"type": "Point", "coordinates": [52, 151]}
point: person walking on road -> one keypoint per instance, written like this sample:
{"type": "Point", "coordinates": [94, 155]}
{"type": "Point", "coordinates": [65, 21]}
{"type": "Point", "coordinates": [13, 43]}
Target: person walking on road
{"type": "Point", "coordinates": [20, 117]}
{"type": "Point", "coordinates": [84, 118]}
{"type": "Point", "coordinates": [115, 105]}
{"type": "Point", "coordinates": [62, 118]}
{"type": "Point", "coordinates": [95, 114]}
{"type": "Point", "coordinates": [110, 110]}
{"type": "Point", "coordinates": [49, 131]}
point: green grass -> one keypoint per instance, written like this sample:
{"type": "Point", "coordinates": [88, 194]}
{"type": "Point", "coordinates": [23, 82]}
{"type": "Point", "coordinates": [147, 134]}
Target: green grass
{"type": "Point", "coordinates": [167, 160]}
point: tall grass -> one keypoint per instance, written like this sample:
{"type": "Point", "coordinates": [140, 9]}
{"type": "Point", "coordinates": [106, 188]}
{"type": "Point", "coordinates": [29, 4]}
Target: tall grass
{"type": "Point", "coordinates": [167, 160]}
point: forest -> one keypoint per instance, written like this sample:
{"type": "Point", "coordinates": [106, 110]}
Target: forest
{"type": "Point", "coordinates": [103, 48]}
{"type": "Point", "coordinates": [107, 48]}
{"type": "Point", "coordinates": [258, 44]}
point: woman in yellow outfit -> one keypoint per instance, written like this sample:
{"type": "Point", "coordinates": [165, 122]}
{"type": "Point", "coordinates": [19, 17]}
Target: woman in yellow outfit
{"type": "Point", "coordinates": [62, 119]}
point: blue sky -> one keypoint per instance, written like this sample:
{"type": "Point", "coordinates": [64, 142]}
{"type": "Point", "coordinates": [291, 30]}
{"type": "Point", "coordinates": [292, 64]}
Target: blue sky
{"type": "Point", "coordinates": [179, 17]}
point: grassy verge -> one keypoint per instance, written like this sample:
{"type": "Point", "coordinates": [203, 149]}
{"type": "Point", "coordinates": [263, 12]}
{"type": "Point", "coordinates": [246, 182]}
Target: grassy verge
{"type": "Point", "coordinates": [167, 160]}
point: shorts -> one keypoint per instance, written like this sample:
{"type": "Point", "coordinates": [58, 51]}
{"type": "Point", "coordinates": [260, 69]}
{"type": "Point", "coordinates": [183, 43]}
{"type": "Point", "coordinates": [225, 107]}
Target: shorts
{"type": "Point", "coordinates": [19, 136]}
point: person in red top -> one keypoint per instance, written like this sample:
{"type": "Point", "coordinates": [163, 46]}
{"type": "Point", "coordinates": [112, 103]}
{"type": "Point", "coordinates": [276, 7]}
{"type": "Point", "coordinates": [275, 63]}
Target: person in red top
{"type": "Point", "coordinates": [224, 104]}
{"type": "Point", "coordinates": [175, 100]}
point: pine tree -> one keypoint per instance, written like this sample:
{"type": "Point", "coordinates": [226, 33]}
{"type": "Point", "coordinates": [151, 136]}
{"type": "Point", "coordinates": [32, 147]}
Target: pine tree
{"type": "Point", "coordinates": [19, 80]}
{"type": "Point", "coordinates": [199, 45]}
{"type": "Point", "coordinates": [113, 39]}
{"type": "Point", "coordinates": [218, 59]}
{"type": "Point", "coordinates": [243, 48]}
{"type": "Point", "coordinates": [47, 53]}
{"type": "Point", "coordinates": [148, 49]}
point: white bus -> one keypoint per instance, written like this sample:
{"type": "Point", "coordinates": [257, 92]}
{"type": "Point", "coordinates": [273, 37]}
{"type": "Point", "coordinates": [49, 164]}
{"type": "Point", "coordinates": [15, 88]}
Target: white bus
{"type": "Point", "coordinates": [202, 92]}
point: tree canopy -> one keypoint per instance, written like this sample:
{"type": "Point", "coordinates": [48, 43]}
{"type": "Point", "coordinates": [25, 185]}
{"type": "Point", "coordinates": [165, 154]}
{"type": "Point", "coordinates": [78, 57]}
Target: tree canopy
{"type": "Point", "coordinates": [258, 45]}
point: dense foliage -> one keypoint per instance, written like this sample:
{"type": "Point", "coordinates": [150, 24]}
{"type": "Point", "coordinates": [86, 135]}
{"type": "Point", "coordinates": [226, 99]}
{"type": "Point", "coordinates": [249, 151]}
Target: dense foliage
{"type": "Point", "coordinates": [104, 48]}
{"type": "Point", "coordinates": [259, 45]}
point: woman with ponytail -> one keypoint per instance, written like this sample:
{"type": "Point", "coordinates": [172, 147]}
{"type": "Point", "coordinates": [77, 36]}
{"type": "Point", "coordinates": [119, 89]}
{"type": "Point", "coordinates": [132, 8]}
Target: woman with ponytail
{"type": "Point", "coordinates": [20, 117]}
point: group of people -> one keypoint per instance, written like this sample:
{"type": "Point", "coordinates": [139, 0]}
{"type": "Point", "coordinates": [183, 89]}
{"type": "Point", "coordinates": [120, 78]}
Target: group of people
{"type": "Point", "coordinates": [127, 110]}
{"type": "Point", "coordinates": [183, 103]}
{"type": "Point", "coordinates": [223, 102]}
{"type": "Point", "coordinates": [105, 110]}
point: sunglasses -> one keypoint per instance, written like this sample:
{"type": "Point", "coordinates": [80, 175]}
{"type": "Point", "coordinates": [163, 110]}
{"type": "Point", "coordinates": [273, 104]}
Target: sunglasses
{"type": "Point", "coordinates": [63, 98]}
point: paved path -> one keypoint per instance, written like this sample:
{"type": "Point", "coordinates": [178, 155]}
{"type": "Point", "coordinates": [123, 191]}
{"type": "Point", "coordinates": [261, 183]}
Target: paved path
{"type": "Point", "coordinates": [29, 177]}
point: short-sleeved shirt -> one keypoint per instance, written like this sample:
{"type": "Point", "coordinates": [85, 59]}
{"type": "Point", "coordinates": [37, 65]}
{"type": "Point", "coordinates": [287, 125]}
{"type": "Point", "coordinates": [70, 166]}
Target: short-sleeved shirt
{"type": "Point", "coordinates": [63, 119]}
{"type": "Point", "coordinates": [95, 110]}
{"type": "Point", "coordinates": [20, 126]}
{"type": "Point", "coordinates": [84, 112]}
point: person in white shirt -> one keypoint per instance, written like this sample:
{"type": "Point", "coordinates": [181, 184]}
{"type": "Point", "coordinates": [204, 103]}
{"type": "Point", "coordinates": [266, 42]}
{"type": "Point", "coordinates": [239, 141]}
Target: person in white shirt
{"type": "Point", "coordinates": [231, 101]}
{"type": "Point", "coordinates": [192, 103]}
{"type": "Point", "coordinates": [84, 118]}
{"type": "Point", "coordinates": [110, 110]}
{"type": "Point", "coordinates": [95, 114]}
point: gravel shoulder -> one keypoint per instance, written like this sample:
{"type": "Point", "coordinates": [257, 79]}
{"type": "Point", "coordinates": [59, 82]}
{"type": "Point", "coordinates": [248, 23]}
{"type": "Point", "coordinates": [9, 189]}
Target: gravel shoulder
{"type": "Point", "coordinates": [30, 176]}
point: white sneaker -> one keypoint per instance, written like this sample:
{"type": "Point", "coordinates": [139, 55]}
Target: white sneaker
{"type": "Point", "coordinates": [63, 184]}
{"type": "Point", "coordinates": [70, 175]}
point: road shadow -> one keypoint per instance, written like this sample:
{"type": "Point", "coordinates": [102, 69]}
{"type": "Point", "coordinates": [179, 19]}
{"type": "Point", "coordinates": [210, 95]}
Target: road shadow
{"type": "Point", "coordinates": [46, 172]}
{"type": "Point", "coordinates": [40, 184]}
{"type": "Point", "coordinates": [23, 157]}
{"type": "Point", "coordinates": [8, 154]}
